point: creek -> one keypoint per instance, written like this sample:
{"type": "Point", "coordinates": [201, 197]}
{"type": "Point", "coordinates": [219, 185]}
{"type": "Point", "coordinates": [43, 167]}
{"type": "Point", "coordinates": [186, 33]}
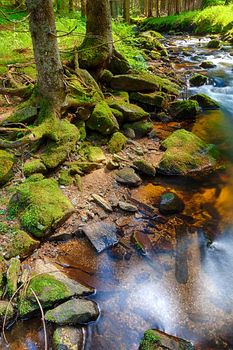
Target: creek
{"type": "Point", "coordinates": [184, 284]}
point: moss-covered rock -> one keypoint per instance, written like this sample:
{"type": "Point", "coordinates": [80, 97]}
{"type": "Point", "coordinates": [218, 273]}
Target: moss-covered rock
{"type": "Point", "coordinates": [95, 154]}
{"type": "Point", "coordinates": [6, 310]}
{"type": "Point", "coordinates": [127, 176]}
{"type": "Point", "coordinates": [198, 80]}
{"type": "Point", "coordinates": [154, 99]}
{"type": "Point", "coordinates": [27, 113]}
{"type": "Point", "coordinates": [50, 288]}
{"type": "Point", "coordinates": [3, 269]}
{"type": "Point", "coordinates": [181, 110]}
{"type": "Point", "coordinates": [6, 166]}
{"type": "Point", "coordinates": [131, 112]}
{"type": "Point", "coordinates": [207, 64]}
{"type": "Point", "coordinates": [170, 203]}
{"type": "Point", "coordinates": [144, 167]}
{"type": "Point", "coordinates": [73, 312]}
{"type": "Point", "coordinates": [118, 64]}
{"type": "Point", "coordinates": [117, 96]}
{"type": "Point", "coordinates": [156, 340]}
{"type": "Point", "coordinates": [214, 44]}
{"type": "Point", "coordinates": [117, 142]}
{"type": "Point", "coordinates": [20, 244]}
{"type": "Point", "coordinates": [12, 276]}
{"type": "Point", "coordinates": [187, 154]}
{"type": "Point", "coordinates": [65, 178]}
{"type": "Point", "coordinates": [33, 166]}
{"type": "Point", "coordinates": [103, 120]}
{"type": "Point", "coordinates": [80, 124]}
{"type": "Point", "coordinates": [205, 101]}
{"type": "Point", "coordinates": [141, 128]}
{"type": "Point", "coordinates": [118, 115]}
{"type": "Point", "coordinates": [144, 83]}
{"type": "Point", "coordinates": [40, 206]}
{"type": "Point", "coordinates": [64, 138]}
{"type": "Point", "coordinates": [68, 338]}
{"type": "Point", "coordinates": [106, 77]}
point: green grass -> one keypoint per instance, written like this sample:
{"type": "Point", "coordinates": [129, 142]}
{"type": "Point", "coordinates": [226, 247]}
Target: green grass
{"type": "Point", "coordinates": [214, 19]}
{"type": "Point", "coordinates": [16, 46]}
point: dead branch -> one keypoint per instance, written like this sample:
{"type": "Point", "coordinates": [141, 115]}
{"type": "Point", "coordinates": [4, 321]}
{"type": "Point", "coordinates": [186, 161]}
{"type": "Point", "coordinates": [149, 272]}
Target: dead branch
{"type": "Point", "coordinates": [42, 319]}
{"type": "Point", "coordinates": [18, 143]}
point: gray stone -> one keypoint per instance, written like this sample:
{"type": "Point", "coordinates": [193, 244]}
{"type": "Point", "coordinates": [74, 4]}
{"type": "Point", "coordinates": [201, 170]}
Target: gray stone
{"type": "Point", "coordinates": [144, 167]}
{"type": "Point", "coordinates": [6, 310]}
{"type": "Point", "coordinates": [127, 176]}
{"type": "Point", "coordinates": [170, 203]}
{"type": "Point", "coordinates": [102, 202]}
{"type": "Point", "coordinates": [73, 312]}
{"type": "Point", "coordinates": [101, 234]}
{"type": "Point", "coordinates": [127, 207]}
{"type": "Point", "coordinates": [69, 338]}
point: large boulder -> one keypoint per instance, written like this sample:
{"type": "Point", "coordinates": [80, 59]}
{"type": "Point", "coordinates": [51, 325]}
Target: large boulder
{"type": "Point", "coordinates": [73, 312]}
{"type": "Point", "coordinates": [33, 166]}
{"type": "Point", "coordinates": [40, 205]}
{"type": "Point", "coordinates": [186, 109]}
{"type": "Point", "coordinates": [102, 119]}
{"type": "Point", "coordinates": [131, 112]}
{"type": "Point", "coordinates": [6, 166]}
{"type": "Point", "coordinates": [205, 101]}
{"type": "Point", "coordinates": [144, 83]}
{"type": "Point", "coordinates": [187, 154]}
{"type": "Point", "coordinates": [214, 44]}
{"type": "Point", "coordinates": [157, 340]}
{"type": "Point", "coordinates": [18, 243]}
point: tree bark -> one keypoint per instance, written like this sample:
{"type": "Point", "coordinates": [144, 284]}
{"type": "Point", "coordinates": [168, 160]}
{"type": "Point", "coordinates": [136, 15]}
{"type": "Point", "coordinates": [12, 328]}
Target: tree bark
{"type": "Point", "coordinates": [97, 46]}
{"type": "Point", "coordinates": [50, 81]}
{"type": "Point", "coordinates": [126, 11]}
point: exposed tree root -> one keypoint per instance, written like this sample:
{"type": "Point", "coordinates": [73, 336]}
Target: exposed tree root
{"type": "Point", "coordinates": [23, 92]}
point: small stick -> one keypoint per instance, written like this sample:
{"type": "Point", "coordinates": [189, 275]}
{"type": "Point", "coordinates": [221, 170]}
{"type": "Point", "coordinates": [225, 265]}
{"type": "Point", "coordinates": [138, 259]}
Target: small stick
{"type": "Point", "coordinates": [42, 319]}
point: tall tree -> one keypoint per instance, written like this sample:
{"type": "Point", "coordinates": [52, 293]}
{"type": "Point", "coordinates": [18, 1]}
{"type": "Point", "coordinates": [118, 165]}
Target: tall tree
{"type": "Point", "coordinates": [97, 47]}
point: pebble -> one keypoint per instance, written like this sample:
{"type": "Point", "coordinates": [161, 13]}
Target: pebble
{"type": "Point", "coordinates": [127, 207]}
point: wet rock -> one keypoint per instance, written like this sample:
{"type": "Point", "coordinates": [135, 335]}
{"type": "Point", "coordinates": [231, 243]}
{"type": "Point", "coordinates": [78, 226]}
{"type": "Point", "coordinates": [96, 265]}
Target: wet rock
{"type": "Point", "coordinates": [155, 99]}
{"type": "Point", "coordinates": [40, 205]}
{"type": "Point", "coordinates": [131, 112]}
{"type": "Point", "coordinates": [205, 101]}
{"type": "Point", "coordinates": [95, 154]}
{"type": "Point", "coordinates": [102, 119]}
{"type": "Point", "coordinates": [127, 207]}
{"type": "Point", "coordinates": [141, 242]}
{"type": "Point", "coordinates": [170, 203]}
{"type": "Point", "coordinates": [73, 312]}
{"type": "Point", "coordinates": [181, 110]}
{"type": "Point", "coordinates": [118, 252]}
{"type": "Point", "coordinates": [140, 128]}
{"type": "Point", "coordinates": [12, 276]}
{"type": "Point", "coordinates": [6, 166]}
{"type": "Point", "coordinates": [144, 167]}
{"type": "Point", "coordinates": [207, 65]}
{"type": "Point", "coordinates": [187, 154]}
{"type": "Point", "coordinates": [6, 310]}
{"type": "Point", "coordinates": [51, 286]}
{"type": "Point", "coordinates": [127, 176]}
{"type": "Point", "coordinates": [69, 338]}
{"type": "Point", "coordinates": [117, 142]}
{"type": "Point", "coordinates": [102, 202]}
{"type": "Point", "coordinates": [143, 82]}
{"type": "Point", "coordinates": [154, 339]}
{"type": "Point", "coordinates": [198, 80]}
{"type": "Point", "coordinates": [102, 235]}
{"type": "Point", "coordinates": [214, 44]}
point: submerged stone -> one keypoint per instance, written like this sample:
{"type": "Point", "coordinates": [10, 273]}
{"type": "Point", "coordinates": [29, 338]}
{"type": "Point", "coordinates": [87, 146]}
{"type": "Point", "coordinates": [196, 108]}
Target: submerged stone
{"type": "Point", "coordinates": [156, 340]}
{"type": "Point", "coordinates": [69, 338]}
{"type": "Point", "coordinates": [73, 312]}
{"type": "Point", "coordinates": [187, 154]}
{"type": "Point", "coordinates": [6, 166]}
{"type": "Point", "coordinates": [186, 109]}
{"type": "Point", "coordinates": [50, 288]}
{"type": "Point", "coordinates": [205, 101]}
{"type": "Point", "coordinates": [127, 176]}
{"type": "Point", "coordinates": [170, 203]}
{"type": "Point", "coordinates": [102, 235]}
{"type": "Point", "coordinates": [117, 142]}
{"type": "Point", "coordinates": [40, 206]}
{"type": "Point", "coordinates": [103, 120]}
{"type": "Point", "coordinates": [198, 80]}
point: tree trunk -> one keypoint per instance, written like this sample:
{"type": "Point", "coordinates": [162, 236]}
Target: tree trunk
{"type": "Point", "coordinates": [50, 81]}
{"type": "Point", "coordinates": [83, 8]}
{"type": "Point", "coordinates": [97, 47]}
{"type": "Point", "coordinates": [71, 5]}
{"type": "Point", "coordinates": [126, 11]}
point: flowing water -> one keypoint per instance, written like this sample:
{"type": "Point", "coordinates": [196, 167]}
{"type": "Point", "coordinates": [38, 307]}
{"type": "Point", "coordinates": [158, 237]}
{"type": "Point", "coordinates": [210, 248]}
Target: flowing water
{"type": "Point", "coordinates": [184, 284]}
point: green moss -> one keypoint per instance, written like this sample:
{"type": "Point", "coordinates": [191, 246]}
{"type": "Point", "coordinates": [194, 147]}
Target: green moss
{"type": "Point", "coordinates": [141, 128]}
{"type": "Point", "coordinates": [12, 276]}
{"type": "Point", "coordinates": [26, 113]}
{"type": "Point", "coordinates": [3, 269]}
{"type": "Point", "coordinates": [186, 109]}
{"type": "Point", "coordinates": [118, 115]}
{"type": "Point", "coordinates": [33, 166]}
{"type": "Point", "coordinates": [40, 206]}
{"type": "Point", "coordinates": [80, 124]}
{"type": "Point", "coordinates": [20, 244]}
{"type": "Point", "coordinates": [153, 99]}
{"type": "Point", "coordinates": [94, 154]}
{"type": "Point", "coordinates": [6, 166]}
{"type": "Point", "coordinates": [117, 142]}
{"type": "Point", "coordinates": [150, 340]}
{"type": "Point", "coordinates": [205, 101]}
{"type": "Point", "coordinates": [198, 80]}
{"type": "Point", "coordinates": [65, 178]}
{"type": "Point", "coordinates": [48, 289]}
{"type": "Point", "coordinates": [214, 44]}
{"type": "Point", "coordinates": [102, 119]}
{"type": "Point", "coordinates": [131, 112]}
{"type": "Point", "coordinates": [6, 310]}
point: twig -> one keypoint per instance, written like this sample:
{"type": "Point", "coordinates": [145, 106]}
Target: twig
{"type": "Point", "coordinates": [13, 21]}
{"type": "Point", "coordinates": [42, 319]}
{"type": "Point", "coordinates": [66, 34]}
